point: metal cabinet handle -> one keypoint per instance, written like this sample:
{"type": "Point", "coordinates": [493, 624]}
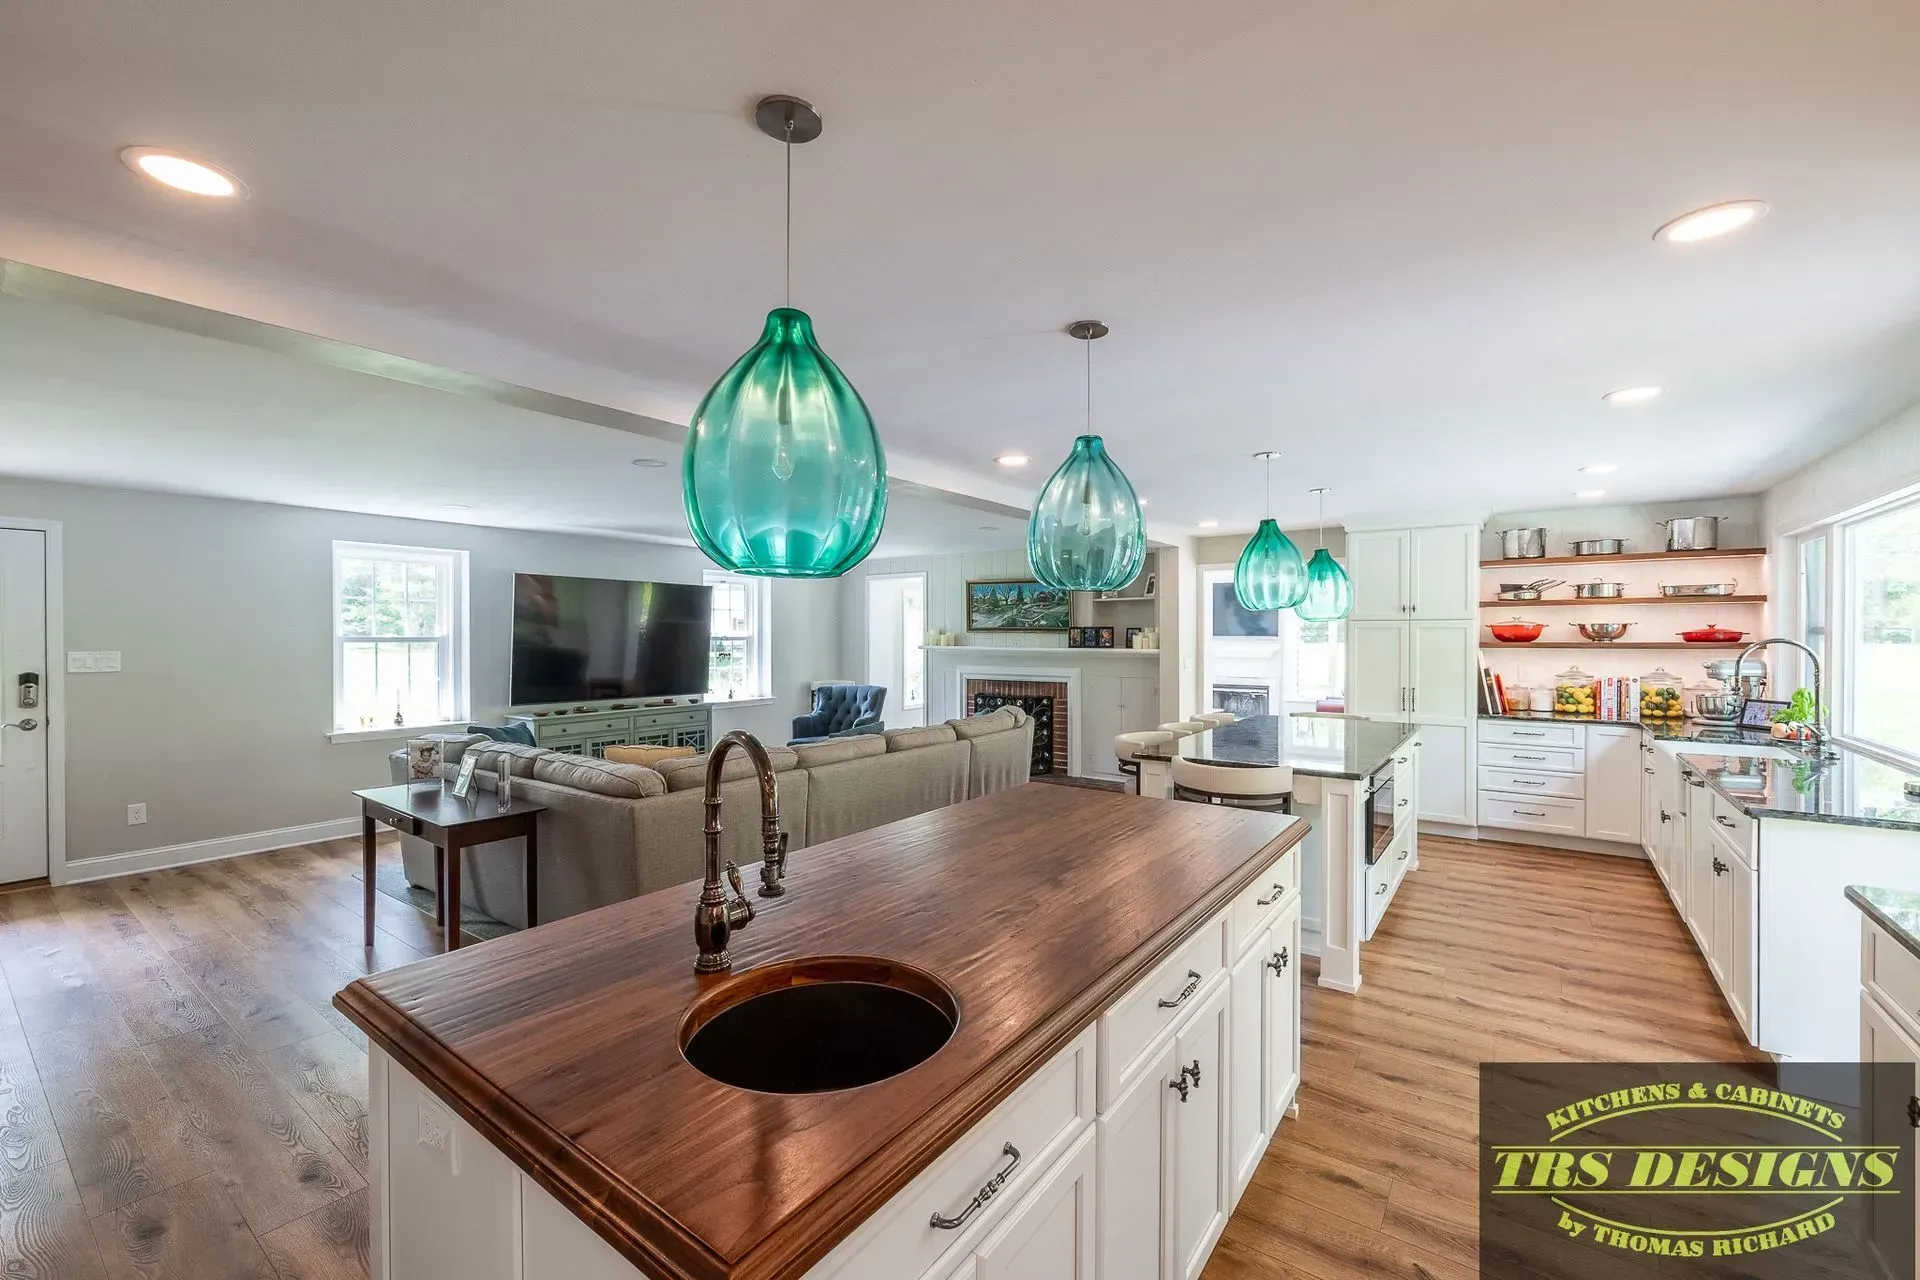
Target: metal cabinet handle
{"type": "Point", "coordinates": [1399, 759]}
{"type": "Point", "coordinates": [1278, 891]}
{"type": "Point", "coordinates": [1532, 813]}
{"type": "Point", "coordinates": [988, 1190]}
{"type": "Point", "coordinates": [1665, 816]}
{"type": "Point", "coordinates": [1528, 733]}
{"type": "Point", "coordinates": [1377, 892]}
{"type": "Point", "coordinates": [1518, 756]}
{"type": "Point", "coordinates": [1180, 1082]}
{"type": "Point", "coordinates": [1400, 804]}
{"type": "Point", "coordinates": [1279, 962]}
{"type": "Point", "coordinates": [1524, 782]}
{"type": "Point", "coordinates": [1649, 773]}
{"type": "Point", "coordinates": [1415, 691]}
{"type": "Point", "coordinates": [1193, 985]}
{"type": "Point", "coordinates": [1723, 821]}
{"type": "Point", "coordinates": [1719, 867]}
{"type": "Point", "coordinates": [1696, 782]}
{"type": "Point", "coordinates": [1403, 855]}
{"type": "Point", "coordinates": [1913, 1112]}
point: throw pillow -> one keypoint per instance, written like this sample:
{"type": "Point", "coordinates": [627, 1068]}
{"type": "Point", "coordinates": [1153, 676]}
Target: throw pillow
{"type": "Point", "coordinates": [520, 733]}
{"type": "Point", "coordinates": [648, 756]}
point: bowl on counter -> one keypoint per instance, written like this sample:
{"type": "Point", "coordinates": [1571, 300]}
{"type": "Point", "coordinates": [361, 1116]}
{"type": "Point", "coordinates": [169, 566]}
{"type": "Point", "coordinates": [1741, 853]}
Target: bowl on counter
{"type": "Point", "coordinates": [1516, 631]}
{"type": "Point", "coordinates": [1719, 708]}
{"type": "Point", "coordinates": [1601, 632]}
{"type": "Point", "coordinates": [1711, 634]}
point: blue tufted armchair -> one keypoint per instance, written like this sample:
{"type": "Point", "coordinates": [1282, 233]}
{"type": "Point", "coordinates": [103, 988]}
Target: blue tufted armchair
{"type": "Point", "coordinates": [840, 710]}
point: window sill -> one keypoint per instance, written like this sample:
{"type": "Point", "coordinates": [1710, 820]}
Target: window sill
{"type": "Point", "coordinates": [398, 733]}
{"type": "Point", "coordinates": [717, 704]}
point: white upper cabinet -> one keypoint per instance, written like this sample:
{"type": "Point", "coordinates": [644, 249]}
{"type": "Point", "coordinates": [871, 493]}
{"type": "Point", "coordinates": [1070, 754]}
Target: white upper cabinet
{"type": "Point", "coordinates": [1444, 573]}
{"type": "Point", "coordinates": [1441, 668]}
{"type": "Point", "coordinates": [1378, 563]}
{"type": "Point", "coordinates": [1377, 664]}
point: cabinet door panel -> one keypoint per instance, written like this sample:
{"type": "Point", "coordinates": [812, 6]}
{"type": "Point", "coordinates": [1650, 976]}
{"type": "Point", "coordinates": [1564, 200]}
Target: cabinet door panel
{"type": "Point", "coordinates": [1246, 1107]}
{"type": "Point", "coordinates": [1738, 966]}
{"type": "Point", "coordinates": [1377, 564]}
{"type": "Point", "coordinates": [1133, 1151]}
{"type": "Point", "coordinates": [1377, 668]}
{"type": "Point", "coordinates": [1446, 776]}
{"type": "Point", "coordinates": [1615, 765]}
{"type": "Point", "coordinates": [1442, 670]}
{"type": "Point", "coordinates": [1444, 572]}
{"type": "Point", "coordinates": [1882, 1040]}
{"type": "Point", "coordinates": [1283, 1018]}
{"type": "Point", "coordinates": [559, 1244]}
{"type": "Point", "coordinates": [1201, 1187]}
{"type": "Point", "coordinates": [1699, 907]}
{"type": "Point", "coordinates": [1049, 1234]}
{"type": "Point", "coordinates": [441, 1171]}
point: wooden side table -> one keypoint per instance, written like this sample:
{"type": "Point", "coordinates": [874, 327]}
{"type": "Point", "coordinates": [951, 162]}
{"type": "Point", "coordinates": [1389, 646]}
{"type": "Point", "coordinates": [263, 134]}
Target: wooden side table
{"type": "Point", "coordinates": [451, 825]}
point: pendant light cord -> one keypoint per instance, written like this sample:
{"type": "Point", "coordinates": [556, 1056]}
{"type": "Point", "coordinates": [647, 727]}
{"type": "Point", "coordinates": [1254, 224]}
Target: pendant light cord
{"type": "Point", "coordinates": [789, 207]}
{"type": "Point", "coordinates": [1269, 462]}
{"type": "Point", "coordinates": [1089, 346]}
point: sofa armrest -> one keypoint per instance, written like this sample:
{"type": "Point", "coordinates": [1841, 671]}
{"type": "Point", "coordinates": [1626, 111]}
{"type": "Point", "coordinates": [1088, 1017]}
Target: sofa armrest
{"type": "Point", "coordinates": [810, 725]}
{"type": "Point", "coordinates": [397, 766]}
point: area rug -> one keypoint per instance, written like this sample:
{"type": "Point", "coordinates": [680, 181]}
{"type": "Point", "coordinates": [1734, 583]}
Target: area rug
{"type": "Point", "coordinates": [391, 879]}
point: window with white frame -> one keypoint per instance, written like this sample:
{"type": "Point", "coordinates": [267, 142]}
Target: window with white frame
{"type": "Point", "coordinates": [741, 665]}
{"type": "Point", "coordinates": [1315, 658]}
{"type": "Point", "coordinates": [399, 636]}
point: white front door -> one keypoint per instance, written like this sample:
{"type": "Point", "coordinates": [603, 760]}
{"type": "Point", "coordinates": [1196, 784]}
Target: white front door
{"type": "Point", "coordinates": [896, 632]}
{"type": "Point", "coordinates": [23, 680]}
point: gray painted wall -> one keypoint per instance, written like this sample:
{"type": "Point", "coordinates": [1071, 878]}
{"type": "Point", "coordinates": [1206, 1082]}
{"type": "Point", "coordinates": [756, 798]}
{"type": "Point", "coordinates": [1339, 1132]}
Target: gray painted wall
{"type": "Point", "coordinates": [219, 718]}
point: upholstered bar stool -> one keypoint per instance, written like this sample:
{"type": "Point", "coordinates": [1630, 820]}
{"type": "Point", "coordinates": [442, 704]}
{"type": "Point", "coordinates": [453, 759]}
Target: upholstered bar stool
{"type": "Point", "coordinates": [1185, 728]}
{"type": "Point", "coordinates": [1266, 787]}
{"type": "Point", "coordinates": [1126, 745]}
{"type": "Point", "coordinates": [1217, 718]}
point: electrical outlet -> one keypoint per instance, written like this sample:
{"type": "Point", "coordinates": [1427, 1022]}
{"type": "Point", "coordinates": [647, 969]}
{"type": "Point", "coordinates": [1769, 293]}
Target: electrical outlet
{"type": "Point", "coordinates": [136, 814]}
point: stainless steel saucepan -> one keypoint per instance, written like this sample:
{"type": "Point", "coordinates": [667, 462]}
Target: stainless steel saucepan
{"type": "Point", "coordinates": [1599, 546]}
{"type": "Point", "coordinates": [1693, 533]}
{"type": "Point", "coordinates": [1523, 544]}
{"type": "Point", "coordinates": [1598, 590]}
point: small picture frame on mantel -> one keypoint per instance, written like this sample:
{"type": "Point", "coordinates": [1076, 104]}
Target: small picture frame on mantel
{"type": "Point", "coordinates": [1076, 638]}
{"type": "Point", "coordinates": [1103, 637]}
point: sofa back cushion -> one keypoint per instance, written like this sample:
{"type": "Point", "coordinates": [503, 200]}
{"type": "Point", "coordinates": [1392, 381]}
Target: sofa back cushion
{"type": "Point", "coordinates": [814, 755]}
{"type": "Point", "coordinates": [669, 845]}
{"type": "Point", "coordinates": [648, 756]}
{"type": "Point", "coordinates": [1002, 720]}
{"type": "Point", "coordinates": [516, 759]}
{"type": "Point", "coordinates": [853, 795]}
{"type": "Point", "coordinates": [601, 777]}
{"type": "Point", "coordinates": [915, 739]}
{"type": "Point", "coordinates": [691, 774]}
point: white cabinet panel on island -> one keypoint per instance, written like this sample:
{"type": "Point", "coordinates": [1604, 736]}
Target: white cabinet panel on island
{"type": "Point", "coordinates": [1050, 1235]}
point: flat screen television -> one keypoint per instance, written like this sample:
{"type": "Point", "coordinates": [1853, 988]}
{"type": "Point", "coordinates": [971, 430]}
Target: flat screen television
{"type": "Point", "coordinates": [1231, 618]}
{"type": "Point", "coordinates": [582, 639]}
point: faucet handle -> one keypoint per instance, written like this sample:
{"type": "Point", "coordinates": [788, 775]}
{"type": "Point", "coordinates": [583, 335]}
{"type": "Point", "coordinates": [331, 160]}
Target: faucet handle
{"type": "Point", "coordinates": [740, 910]}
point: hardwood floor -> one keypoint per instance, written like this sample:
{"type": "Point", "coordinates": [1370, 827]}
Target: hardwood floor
{"type": "Point", "coordinates": [179, 1101]}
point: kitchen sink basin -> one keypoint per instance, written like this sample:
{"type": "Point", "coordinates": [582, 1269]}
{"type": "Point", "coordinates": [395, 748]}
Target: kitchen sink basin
{"type": "Point", "coordinates": [823, 1023]}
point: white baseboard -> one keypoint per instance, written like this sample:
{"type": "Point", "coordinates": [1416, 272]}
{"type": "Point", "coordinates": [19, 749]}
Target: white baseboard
{"type": "Point", "coordinates": [182, 855]}
{"type": "Point", "coordinates": [1575, 844]}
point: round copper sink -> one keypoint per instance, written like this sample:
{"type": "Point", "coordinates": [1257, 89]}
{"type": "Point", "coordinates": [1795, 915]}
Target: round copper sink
{"type": "Point", "coordinates": [819, 1024]}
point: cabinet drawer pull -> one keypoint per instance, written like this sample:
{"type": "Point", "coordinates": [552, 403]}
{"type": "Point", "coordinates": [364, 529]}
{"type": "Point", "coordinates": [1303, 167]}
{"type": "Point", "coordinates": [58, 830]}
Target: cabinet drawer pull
{"type": "Point", "coordinates": [1279, 962]}
{"type": "Point", "coordinates": [1193, 985]}
{"type": "Point", "coordinates": [1649, 773]}
{"type": "Point", "coordinates": [1723, 821]}
{"type": "Point", "coordinates": [1533, 813]}
{"type": "Point", "coordinates": [1400, 804]}
{"type": "Point", "coordinates": [988, 1190]}
{"type": "Point", "coordinates": [1382, 889]}
{"type": "Point", "coordinates": [1399, 759]}
{"type": "Point", "coordinates": [1665, 816]}
{"type": "Point", "coordinates": [1696, 782]}
{"type": "Point", "coordinates": [1518, 756]}
{"type": "Point", "coordinates": [1528, 733]}
{"type": "Point", "coordinates": [1913, 1112]}
{"type": "Point", "coordinates": [1180, 1082]}
{"type": "Point", "coordinates": [1719, 867]}
{"type": "Point", "coordinates": [1524, 782]}
{"type": "Point", "coordinates": [1278, 891]}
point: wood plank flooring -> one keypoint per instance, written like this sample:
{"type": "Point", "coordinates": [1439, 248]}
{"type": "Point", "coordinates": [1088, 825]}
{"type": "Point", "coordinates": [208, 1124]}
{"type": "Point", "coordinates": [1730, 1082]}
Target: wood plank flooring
{"type": "Point", "coordinates": [178, 1100]}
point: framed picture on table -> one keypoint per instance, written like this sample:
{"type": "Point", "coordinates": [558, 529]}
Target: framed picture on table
{"type": "Point", "coordinates": [463, 785]}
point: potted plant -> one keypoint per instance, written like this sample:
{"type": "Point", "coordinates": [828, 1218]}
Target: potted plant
{"type": "Point", "coordinates": [1795, 720]}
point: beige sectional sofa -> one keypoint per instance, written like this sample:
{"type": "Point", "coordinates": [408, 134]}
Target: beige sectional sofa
{"type": "Point", "coordinates": [615, 831]}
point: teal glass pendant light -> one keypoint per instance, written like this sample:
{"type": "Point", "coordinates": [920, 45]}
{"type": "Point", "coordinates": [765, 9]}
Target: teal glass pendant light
{"type": "Point", "coordinates": [1270, 573]}
{"type": "Point", "coordinates": [1329, 595]}
{"type": "Point", "coordinates": [1086, 532]}
{"type": "Point", "coordinates": [783, 474]}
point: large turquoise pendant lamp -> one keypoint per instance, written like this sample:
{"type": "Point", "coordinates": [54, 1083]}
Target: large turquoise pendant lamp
{"type": "Point", "coordinates": [1329, 595]}
{"type": "Point", "coordinates": [1270, 574]}
{"type": "Point", "coordinates": [1086, 532]}
{"type": "Point", "coordinates": [783, 474]}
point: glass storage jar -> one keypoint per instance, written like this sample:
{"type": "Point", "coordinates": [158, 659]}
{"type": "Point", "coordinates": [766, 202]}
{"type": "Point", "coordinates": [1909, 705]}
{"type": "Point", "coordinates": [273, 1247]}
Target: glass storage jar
{"type": "Point", "coordinates": [1661, 697]}
{"type": "Point", "coordinates": [1573, 692]}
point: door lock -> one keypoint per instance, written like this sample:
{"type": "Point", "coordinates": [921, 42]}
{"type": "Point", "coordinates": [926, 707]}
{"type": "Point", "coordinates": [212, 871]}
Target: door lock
{"type": "Point", "coordinates": [29, 690]}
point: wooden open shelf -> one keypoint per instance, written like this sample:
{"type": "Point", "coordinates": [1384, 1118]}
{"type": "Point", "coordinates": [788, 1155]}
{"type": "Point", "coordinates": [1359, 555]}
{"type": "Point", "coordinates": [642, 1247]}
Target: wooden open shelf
{"type": "Point", "coordinates": [1524, 605]}
{"type": "Point", "coordinates": [1640, 557]}
{"type": "Point", "coordinates": [1603, 645]}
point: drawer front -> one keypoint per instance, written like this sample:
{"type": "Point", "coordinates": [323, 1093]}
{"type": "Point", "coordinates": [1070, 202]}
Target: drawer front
{"type": "Point", "coordinates": [1383, 878]}
{"type": "Point", "coordinates": [1893, 972]}
{"type": "Point", "coordinates": [1533, 813]}
{"type": "Point", "coordinates": [1535, 733]}
{"type": "Point", "coordinates": [1550, 759]}
{"type": "Point", "coordinates": [1527, 782]}
{"type": "Point", "coordinates": [1260, 901]}
{"type": "Point", "coordinates": [1040, 1120]}
{"type": "Point", "coordinates": [1736, 826]}
{"type": "Point", "coordinates": [1130, 1030]}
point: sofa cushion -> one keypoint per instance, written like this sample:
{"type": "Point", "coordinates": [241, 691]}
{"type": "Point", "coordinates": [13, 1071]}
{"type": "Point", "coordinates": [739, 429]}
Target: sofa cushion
{"type": "Point", "coordinates": [648, 756]}
{"type": "Point", "coordinates": [519, 732]}
{"type": "Point", "coordinates": [999, 721]}
{"type": "Point", "coordinates": [601, 777]}
{"type": "Point", "coordinates": [691, 774]}
{"type": "Point", "coordinates": [908, 739]}
{"type": "Point", "coordinates": [517, 759]}
{"type": "Point", "coordinates": [834, 750]}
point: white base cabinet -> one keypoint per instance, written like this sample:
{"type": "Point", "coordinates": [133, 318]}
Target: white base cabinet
{"type": "Point", "coordinates": [1120, 1159]}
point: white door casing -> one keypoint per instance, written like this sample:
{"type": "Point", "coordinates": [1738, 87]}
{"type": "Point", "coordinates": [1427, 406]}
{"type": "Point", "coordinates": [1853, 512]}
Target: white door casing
{"type": "Point", "coordinates": [24, 790]}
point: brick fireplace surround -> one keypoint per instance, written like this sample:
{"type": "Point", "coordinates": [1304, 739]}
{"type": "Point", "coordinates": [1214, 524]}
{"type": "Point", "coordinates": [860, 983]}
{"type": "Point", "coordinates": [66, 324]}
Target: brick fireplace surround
{"type": "Point", "coordinates": [1044, 700]}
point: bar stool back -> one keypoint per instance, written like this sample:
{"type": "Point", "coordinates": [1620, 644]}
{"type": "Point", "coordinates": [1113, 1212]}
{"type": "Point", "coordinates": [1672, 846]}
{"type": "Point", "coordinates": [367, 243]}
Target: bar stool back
{"type": "Point", "coordinates": [1217, 717]}
{"type": "Point", "coordinates": [1185, 728]}
{"type": "Point", "coordinates": [1265, 787]}
{"type": "Point", "coordinates": [1126, 745]}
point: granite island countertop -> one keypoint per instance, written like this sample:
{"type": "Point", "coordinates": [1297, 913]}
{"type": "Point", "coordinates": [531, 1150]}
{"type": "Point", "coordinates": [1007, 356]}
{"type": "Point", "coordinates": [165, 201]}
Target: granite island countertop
{"type": "Point", "coordinates": [1313, 746]}
{"type": "Point", "coordinates": [1036, 907]}
{"type": "Point", "coordinates": [1895, 910]}
{"type": "Point", "coordinates": [1852, 790]}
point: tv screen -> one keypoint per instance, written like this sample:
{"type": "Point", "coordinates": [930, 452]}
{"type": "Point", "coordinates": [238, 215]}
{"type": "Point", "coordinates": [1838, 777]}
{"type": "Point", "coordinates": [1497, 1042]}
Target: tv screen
{"type": "Point", "coordinates": [1231, 619]}
{"type": "Point", "coordinates": [578, 639]}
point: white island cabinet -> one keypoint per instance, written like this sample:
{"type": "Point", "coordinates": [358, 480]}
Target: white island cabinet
{"type": "Point", "coordinates": [1120, 1158]}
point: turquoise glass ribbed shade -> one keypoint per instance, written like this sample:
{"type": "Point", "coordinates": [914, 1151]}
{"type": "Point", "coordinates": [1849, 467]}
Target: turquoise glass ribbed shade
{"type": "Point", "coordinates": [1329, 595]}
{"type": "Point", "coordinates": [1086, 532]}
{"type": "Point", "coordinates": [1270, 573]}
{"type": "Point", "coordinates": [783, 474]}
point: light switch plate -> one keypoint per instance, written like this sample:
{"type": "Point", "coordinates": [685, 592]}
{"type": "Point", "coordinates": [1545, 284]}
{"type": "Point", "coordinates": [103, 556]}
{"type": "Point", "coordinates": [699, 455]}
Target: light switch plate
{"type": "Point", "coordinates": [91, 661]}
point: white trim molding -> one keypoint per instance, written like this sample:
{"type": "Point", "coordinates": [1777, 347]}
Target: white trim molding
{"type": "Point", "coordinates": [1056, 674]}
{"type": "Point", "coordinates": [184, 855]}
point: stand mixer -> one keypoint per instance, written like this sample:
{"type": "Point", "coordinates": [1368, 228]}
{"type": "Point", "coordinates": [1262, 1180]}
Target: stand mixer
{"type": "Point", "coordinates": [1723, 710]}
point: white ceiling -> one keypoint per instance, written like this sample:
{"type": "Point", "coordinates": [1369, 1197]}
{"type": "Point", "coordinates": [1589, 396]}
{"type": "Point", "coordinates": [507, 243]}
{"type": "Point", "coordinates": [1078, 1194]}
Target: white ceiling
{"type": "Point", "coordinates": [96, 399]}
{"type": "Point", "coordinates": [1406, 242]}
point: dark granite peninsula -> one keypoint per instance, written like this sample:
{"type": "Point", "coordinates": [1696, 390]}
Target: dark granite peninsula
{"type": "Point", "coordinates": [1852, 790]}
{"type": "Point", "coordinates": [1338, 763]}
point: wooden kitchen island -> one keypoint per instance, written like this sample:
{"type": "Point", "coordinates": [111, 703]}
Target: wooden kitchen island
{"type": "Point", "coordinates": [1121, 967]}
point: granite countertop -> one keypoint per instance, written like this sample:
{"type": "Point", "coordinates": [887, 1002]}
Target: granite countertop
{"type": "Point", "coordinates": [1313, 746]}
{"type": "Point", "coordinates": [1662, 730]}
{"type": "Point", "coordinates": [1853, 790]}
{"type": "Point", "coordinates": [1895, 910]}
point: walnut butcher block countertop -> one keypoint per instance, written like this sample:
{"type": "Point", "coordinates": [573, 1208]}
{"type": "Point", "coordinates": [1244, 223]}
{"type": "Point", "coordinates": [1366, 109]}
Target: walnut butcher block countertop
{"type": "Point", "coordinates": [1037, 907]}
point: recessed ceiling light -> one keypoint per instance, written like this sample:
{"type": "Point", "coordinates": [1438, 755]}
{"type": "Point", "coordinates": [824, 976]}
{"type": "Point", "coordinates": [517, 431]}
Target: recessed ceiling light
{"type": "Point", "coordinates": [1013, 459]}
{"type": "Point", "coordinates": [1591, 493]}
{"type": "Point", "coordinates": [1631, 395]}
{"type": "Point", "coordinates": [1714, 220]}
{"type": "Point", "coordinates": [1600, 469]}
{"type": "Point", "coordinates": [648, 462]}
{"type": "Point", "coordinates": [195, 177]}
{"type": "Point", "coordinates": [1209, 524]}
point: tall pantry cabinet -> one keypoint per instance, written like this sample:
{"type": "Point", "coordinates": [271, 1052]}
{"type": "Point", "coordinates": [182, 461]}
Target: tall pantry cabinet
{"type": "Point", "coordinates": [1413, 651]}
